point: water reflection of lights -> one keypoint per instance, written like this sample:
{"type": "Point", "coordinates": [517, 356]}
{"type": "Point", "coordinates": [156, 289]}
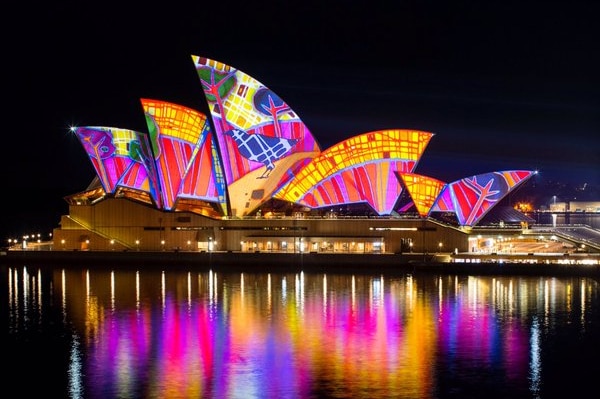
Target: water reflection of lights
{"type": "Point", "coordinates": [377, 291]}
{"type": "Point", "coordinates": [535, 364]}
{"type": "Point", "coordinates": [377, 330]}
{"type": "Point", "coordinates": [75, 371]}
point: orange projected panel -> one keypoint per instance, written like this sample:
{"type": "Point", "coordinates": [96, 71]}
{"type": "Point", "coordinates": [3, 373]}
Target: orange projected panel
{"type": "Point", "coordinates": [261, 139]}
{"type": "Point", "coordinates": [423, 190]}
{"type": "Point", "coordinates": [379, 146]}
{"type": "Point", "coordinates": [176, 136]}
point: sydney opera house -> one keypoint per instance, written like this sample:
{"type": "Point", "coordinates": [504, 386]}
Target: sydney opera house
{"type": "Point", "coordinates": [252, 177]}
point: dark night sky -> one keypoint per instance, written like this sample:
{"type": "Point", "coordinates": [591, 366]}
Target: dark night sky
{"type": "Point", "coordinates": [503, 85]}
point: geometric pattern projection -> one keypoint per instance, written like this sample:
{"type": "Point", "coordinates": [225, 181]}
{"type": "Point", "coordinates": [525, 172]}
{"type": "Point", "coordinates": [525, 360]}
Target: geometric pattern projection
{"type": "Point", "coordinates": [177, 136]}
{"type": "Point", "coordinates": [260, 150]}
{"type": "Point", "coordinates": [256, 130]}
{"type": "Point", "coordinates": [423, 191]}
{"type": "Point", "coordinates": [340, 171]}
{"type": "Point", "coordinates": [117, 157]}
{"type": "Point", "coordinates": [472, 198]}
{"type": "Point", "coordinates": [373, 183]}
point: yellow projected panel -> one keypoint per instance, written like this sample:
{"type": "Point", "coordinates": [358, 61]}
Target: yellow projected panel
{"type": "Point", "coordinates": [423, 190]}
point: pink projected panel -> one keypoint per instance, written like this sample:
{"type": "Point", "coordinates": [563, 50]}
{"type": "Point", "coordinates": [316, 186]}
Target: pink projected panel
{"type": "Point", "coordinates": [108, 149]}
{"type": "Point", "coordinates": [444, 202]}
{"type": "Point", "coordinates": [261, 139]}
{"type": "Point", "coordinates": [120, 158]}
{"type": "Point", "coordinates": [423, 190]}
{"type": "Point", "coordinates": [472, 197]}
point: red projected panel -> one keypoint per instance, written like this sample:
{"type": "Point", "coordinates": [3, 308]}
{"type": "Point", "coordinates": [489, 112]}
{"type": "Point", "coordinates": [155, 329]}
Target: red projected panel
{"type": "Point", "coordinates": [177, 136]}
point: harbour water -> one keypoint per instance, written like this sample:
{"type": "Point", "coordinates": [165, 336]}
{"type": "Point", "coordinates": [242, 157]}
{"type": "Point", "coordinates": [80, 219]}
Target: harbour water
{"type": "Point", "coordinates": [107, 332]}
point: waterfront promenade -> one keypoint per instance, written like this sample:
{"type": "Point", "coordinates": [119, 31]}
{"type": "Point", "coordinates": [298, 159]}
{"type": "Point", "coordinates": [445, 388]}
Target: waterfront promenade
{"type": "Point", "coordinates": [441, 263]}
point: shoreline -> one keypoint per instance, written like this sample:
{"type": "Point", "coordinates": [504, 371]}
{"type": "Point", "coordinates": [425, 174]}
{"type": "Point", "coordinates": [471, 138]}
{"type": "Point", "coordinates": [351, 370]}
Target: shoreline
{"type": "Point", "coordinates": [289, 262]}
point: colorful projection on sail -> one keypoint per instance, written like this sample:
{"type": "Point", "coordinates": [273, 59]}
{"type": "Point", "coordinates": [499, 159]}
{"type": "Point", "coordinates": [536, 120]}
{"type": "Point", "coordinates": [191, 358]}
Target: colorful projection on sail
{"type": "Point", "coordinates": [472, 197]}
{"type": "Point", "coordinates": [182, 144]}
{"type": "Point", "coordinates": [262, 141]}
{"type": "Point", "coordinates": [121, 158]}
{"type": "Point", "coordinates": [360, 169]}
{"type": "Point", "coordinates": [423, 190]}
{"type": "Point", "coordinates": [261, 150]}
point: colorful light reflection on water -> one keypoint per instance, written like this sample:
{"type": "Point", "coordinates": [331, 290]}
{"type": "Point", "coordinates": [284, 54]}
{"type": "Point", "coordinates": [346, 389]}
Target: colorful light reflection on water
{"type": "Point", "coordinates": [213, 335]}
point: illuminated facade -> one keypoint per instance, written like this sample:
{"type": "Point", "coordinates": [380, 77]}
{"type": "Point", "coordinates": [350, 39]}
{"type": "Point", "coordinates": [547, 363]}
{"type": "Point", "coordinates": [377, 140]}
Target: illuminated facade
{"type": "Point", "coordinates": [257, 159]}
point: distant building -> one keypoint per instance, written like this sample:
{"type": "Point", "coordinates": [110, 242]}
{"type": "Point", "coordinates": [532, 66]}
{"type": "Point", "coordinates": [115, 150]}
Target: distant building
{"type": "Point", "coordinates": [575, 206]}
{"type": "Point", "coordinates": [584, 206]}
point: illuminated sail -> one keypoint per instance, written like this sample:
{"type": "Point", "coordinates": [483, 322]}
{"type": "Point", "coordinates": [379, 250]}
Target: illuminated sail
{"type": "Point", "coordinates": [177, 136]}
{"type": "Point", "coordinates": [262, 141]}
{"type": "Point", "coordinates": [423, 190]}
{"type": "Point", "coordinates": [473, 197]}
{"type": "Point", "coordinates": [119, 159]}
{"type": "Point", "coordinates": [360, 169]}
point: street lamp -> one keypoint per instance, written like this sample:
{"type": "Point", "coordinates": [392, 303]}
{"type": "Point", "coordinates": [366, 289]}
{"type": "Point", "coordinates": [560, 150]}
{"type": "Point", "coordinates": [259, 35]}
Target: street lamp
{"type": "Point", "coordinates": [440, 246]}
